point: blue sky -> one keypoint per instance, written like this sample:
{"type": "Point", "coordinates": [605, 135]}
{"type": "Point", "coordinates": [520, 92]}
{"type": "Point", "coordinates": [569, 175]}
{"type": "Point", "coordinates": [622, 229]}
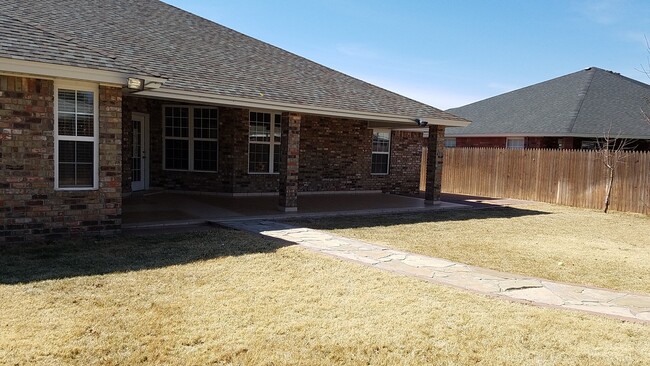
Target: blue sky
{"type": "Point", "coordinates": [447, 53]}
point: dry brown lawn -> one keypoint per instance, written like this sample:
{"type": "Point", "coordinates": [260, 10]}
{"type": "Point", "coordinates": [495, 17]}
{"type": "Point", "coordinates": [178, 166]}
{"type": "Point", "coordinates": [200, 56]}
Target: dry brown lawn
{"type": "Point", "coordinates": [224, 297]}
{"type": "Point", "coordinates": [541, 240]}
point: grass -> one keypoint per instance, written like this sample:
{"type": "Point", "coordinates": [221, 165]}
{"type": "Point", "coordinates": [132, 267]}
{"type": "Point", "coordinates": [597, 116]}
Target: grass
{"type": "Point", "coordinates": [540, 240]}
{"type": "Point", "coordinates": [224, 297]}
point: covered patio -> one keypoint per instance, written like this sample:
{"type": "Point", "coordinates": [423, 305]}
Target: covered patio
{"type": "Point", "coordinates": [168, 208]}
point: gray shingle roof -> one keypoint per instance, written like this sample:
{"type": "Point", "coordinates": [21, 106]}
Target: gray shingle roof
{"type": "Point", "coordinates": [24, 41]}
{"type": "Point", "coordinates": [581, 104]}
{"type": "Point", "coordinates": [198, 55]}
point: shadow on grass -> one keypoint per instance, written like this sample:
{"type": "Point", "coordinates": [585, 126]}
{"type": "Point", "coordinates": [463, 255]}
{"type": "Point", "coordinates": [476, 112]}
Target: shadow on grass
{"type": "Point", "coordinates": [23, 263]}
{"type": "Point", "coordinates": [350, 222]}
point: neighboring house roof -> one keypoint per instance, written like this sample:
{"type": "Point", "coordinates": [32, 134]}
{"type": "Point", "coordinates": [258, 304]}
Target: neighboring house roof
{"type": "Point", "coordinates": [582, 104]}
{"type": "Point", "coordinates": [203, 59]}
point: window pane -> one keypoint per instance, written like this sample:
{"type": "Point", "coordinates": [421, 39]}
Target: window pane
{"type": "Point", "coordinates": [176, 154]}
{"type": "Point", "coordinates": [205, 155]}
{"type": "Point", "coordinates": [276, 159]}
{"type": "Point", "coordinates": [205, 123]}
{"type": "Point", "coordinates": [66, 175]}
{"type": "Point", "coordinates": [379, 164]}
{"type": "Point", "coordinates": [260, 127]}
{"type": "Point", "coordinates": [67, 152]}
{"type": "Point", "coordinates": [76, 159]}
{"type": "Point", "coordinates": [380, 141]}
{"type": "Point", "coordinates": [85, 102]}
{"type": "Point", "coordinates": [277, 131]}
{"type": "Point", "coordinates": [85, 152]}
{"type": "Point", "coordinates": [85, 125]}
{"type": "Point", "coordinates": [176, 121]}
{"type": "Point", "coordinates": [258, 158]}
{"type": "Point", "coordinates": [67, 101]}
{"type": "Point", "coordinates": [84, 175]}
{"type": "Point", "coordinates": [450, 142]}
{"type": "Point", "coordinates": [76, 113]}
{"type": "Point", "coordinates": [76, 165]}
{"type": "Point", "coordinates": [66, 124]}
{"type": "Point", "coordinates": [515, 143]}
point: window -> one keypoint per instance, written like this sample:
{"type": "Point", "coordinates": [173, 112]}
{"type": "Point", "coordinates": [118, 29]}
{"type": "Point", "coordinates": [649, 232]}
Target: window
{"type": "Point", "coordinates": [264, 135]}
{"type": "Point", "coordinates": [516, 143]}
{"type": "Point", "coordinates": [450, 142]}
{"type": "Point", "coordinates": [76, 143]}
{"type": "Point", "coordinates": [191, 138]}
{"type": "Point", "coordinates": [380, 151]}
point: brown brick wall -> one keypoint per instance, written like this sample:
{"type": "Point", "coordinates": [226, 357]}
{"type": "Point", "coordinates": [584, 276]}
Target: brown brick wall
{"type": "Point", "coordinates": [500, 142]}
{"type": "Point", "coordinates": [232, 175]}
{"type": "Point", "coordinates": [481, 142]}
{"type": "Point", "coordinates": [335, 155]}
{"type": "Point", "coordinates": [30, 208]}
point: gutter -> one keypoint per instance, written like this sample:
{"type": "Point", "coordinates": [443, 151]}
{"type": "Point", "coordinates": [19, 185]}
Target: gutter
{"type": "Point", "coordinates": [179, 95]}
{"type": "Point", "coordinates": [53, 71]}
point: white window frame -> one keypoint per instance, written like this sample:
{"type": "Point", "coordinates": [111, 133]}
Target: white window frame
{"type": "Point", "coordinates": [390, 138]}
{"type": "Point", "coordinates": [271, 142]}
{"type": "Point", "coordinates": [190, 138]}
{"type": "Point", "coordinates": [450, 142]}
{"type": "Point", "coordinates": [523, 143]}
{"type": "Point", "coordinates": [77, 86]}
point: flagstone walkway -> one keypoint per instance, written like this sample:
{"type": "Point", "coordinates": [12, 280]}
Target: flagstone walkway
{"type": "Point", "coordinates": [621, 305]}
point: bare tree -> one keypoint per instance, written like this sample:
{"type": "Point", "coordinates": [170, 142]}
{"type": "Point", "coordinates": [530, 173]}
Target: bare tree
{"type": "Point", "coordinates": [612, 151]}
{"type": "Point", "coordinates": [646, 71]}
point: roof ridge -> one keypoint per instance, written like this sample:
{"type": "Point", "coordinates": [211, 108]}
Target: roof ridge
{"type": "Point", "coordinates": [582, 96]}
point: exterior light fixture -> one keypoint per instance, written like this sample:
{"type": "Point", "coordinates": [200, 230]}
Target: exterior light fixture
{"type": "Point", "coordinates": [420, 122]}
{"type": "Point", "coordinates": [135, 84]}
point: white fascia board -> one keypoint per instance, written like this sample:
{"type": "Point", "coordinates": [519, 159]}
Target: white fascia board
{"type": "Point", "coordinates": [195, 97]}
{"type": "Point", "coordinates": [54, 71]}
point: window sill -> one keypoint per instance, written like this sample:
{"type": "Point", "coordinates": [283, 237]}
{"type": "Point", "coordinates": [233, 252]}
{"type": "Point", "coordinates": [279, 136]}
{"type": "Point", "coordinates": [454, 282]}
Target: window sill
{"type": "Point", "coordinates": [191, 171]}
{"type": "Point", "coordinates": [76, 189]}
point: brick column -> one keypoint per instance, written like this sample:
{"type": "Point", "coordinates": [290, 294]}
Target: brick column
{"type": "Point", "coordinates": [289, 155]}
{"type": "Point", "coordinates": [435, 143]}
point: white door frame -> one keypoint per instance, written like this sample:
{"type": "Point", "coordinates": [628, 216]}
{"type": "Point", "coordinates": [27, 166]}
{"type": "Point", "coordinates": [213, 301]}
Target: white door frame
{"type": "Point", "coordinates": [142, 184]}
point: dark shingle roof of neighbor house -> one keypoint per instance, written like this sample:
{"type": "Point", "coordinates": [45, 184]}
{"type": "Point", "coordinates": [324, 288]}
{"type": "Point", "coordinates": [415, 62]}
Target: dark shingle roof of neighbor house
{"type": "Point", "coordinates": [194, 54]}
{"type": "Point", "coordinates": [582, 104]}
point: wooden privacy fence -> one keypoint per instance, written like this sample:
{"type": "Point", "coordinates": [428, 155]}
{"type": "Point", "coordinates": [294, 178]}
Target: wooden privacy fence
{"type": "Point", "coordinates": [566, 177]}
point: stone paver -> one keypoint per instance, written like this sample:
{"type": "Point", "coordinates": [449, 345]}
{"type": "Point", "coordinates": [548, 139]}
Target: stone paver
{"type": "Point", "coordinates": [627, 306]}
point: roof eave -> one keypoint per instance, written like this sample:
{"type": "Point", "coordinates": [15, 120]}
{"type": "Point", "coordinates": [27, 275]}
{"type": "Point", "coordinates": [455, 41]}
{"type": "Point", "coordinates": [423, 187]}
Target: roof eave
{"type": "Point", "coordinates": [196, 97]}
{"type": "Point", "coordinates": [55, 71]}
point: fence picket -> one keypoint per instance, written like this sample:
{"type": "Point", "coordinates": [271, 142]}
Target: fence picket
{"type": "Point", "coordinates": [568, 177]}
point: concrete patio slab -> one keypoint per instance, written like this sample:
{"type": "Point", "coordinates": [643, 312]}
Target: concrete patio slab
{"type": "Point", "coordinates": [165, 208]}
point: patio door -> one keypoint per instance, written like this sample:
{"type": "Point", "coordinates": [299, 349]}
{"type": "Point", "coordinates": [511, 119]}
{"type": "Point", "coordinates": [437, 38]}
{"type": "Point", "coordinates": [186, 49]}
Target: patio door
{"type": "Point", "coordinates": [140, 152]}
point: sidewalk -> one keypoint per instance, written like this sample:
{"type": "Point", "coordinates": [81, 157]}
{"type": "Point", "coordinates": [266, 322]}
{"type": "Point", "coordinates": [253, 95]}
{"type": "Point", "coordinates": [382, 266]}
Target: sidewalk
{"type": "Point", "coordinates": [621, 305]}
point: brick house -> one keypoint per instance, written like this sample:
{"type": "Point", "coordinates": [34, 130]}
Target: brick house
{"type": "Point", "coordinates": [568, 112]}
{"type": "Point", "coordinates": [99, 99]}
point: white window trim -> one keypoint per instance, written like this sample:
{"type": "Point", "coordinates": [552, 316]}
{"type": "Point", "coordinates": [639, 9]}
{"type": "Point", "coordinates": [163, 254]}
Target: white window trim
{"type": "Point", "coordinates": [390, 140]}
{"type": "Point", "coordinates": [190, 138]}
{"type": "Point", "coordinates": [70, 85]}
{"type": "Point", "coordinates": [271, 142]}
{"type": "Point", "coordinates": [522, 139]}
